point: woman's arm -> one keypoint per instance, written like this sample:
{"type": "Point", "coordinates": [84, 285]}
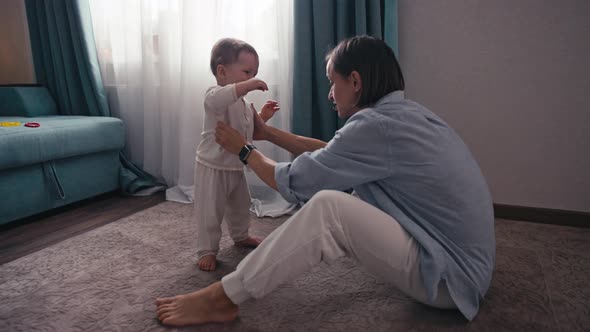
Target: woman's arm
{"type": "Point", "coordinates": [360, 154]}
{"type": "Point", "coordinates": [231, 140]}
{"type": "Point", "coordinates": [293, 143]}
{"type": "Point", "coordinates": [263, 167]}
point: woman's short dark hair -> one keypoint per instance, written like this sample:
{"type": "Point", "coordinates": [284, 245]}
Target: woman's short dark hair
{"type": "Point", "coordinates": [227, 50]}
{"type": "Point", "coordinates": [374, 60]}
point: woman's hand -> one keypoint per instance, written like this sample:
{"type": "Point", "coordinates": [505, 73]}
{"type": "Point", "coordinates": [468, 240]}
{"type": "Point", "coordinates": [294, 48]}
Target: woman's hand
{"type": "Point", "coordinates": [229, 138]}
{"type": "Point", "coordinates": [260, 127]}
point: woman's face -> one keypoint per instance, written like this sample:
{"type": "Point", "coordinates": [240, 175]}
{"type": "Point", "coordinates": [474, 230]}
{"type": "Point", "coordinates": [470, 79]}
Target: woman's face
{"type": "Point", "coordinates": [344, 92]}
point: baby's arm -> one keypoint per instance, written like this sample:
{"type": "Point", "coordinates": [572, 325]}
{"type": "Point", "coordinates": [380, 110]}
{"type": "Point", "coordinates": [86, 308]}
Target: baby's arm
{"type": "Point", "coordinates": [218, 98]}
{"type": "Point", "coordinates": [242, 88]}
{"type": "Point", "coordinates": [269, 109]}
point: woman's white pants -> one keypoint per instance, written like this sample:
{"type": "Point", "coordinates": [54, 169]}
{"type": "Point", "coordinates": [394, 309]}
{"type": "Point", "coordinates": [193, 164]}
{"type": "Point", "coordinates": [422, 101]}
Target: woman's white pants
{"type": "Point", "coordinates": [333, 225]}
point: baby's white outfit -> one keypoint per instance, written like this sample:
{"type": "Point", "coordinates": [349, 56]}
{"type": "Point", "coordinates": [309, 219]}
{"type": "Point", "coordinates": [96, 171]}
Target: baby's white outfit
{"type": "Point", "coordinates": [220, 183]}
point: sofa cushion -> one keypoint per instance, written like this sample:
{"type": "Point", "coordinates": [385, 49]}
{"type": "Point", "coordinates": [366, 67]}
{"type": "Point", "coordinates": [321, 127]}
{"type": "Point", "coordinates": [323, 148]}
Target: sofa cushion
{"type": "Point", "coordinates": [26, 100]}
{"type": "Point", "coordinates": [57, 137]}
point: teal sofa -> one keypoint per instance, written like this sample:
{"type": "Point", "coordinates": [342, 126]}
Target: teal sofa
{"type": "Point", "coordinates": [63, 160]}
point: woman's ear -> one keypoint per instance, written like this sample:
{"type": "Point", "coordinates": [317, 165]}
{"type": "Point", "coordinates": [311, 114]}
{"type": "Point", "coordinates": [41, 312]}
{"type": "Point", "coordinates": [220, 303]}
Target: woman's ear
{"type": "Point", "coordinates": [357, 82]}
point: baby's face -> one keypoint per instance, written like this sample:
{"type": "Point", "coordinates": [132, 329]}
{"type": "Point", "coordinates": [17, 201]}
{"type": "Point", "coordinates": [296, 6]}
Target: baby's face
{"type": "Point", "coordinates": [243, 69]}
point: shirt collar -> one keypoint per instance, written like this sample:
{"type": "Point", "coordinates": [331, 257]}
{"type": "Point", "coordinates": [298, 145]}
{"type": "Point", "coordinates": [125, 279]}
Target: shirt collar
{"type": "Point", "coordinates": [392, 97]}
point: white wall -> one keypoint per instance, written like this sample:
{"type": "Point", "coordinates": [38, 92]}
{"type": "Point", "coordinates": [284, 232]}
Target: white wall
{"type": "Point", "coordinates": [513, 79]}
{"type": "Point", "coordinates": [16, 65]}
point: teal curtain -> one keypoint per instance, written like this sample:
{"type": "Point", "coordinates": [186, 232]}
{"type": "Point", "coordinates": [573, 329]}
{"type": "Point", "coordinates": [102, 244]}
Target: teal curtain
{"type": "Point", "coordinates": [319, 26]}
{"type": "Point", "coordinates": [64, 55]}
{"type": "Point", "coordinates": [65, 60]}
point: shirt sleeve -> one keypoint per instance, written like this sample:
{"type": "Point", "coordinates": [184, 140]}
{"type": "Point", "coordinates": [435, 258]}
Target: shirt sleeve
{"type": "Point", "coordinates": [218, 98]}
{"type": "Point", "coordinates": [358, 154]}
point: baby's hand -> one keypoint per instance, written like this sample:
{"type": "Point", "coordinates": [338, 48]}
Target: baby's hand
{"type": "Point", "coordinates": [242, 88]}
{"type": "Point", "coordinates": [256, 84]}
{"type": "Point", "coordinates": [269, 109]}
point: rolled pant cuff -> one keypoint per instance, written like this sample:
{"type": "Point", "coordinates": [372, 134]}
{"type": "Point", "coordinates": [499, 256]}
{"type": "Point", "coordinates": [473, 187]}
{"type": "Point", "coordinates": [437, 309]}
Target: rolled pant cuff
{"type": "Point", "coordinates": [204, 253]}
{"type": "Point", "coordinates": [241, 237]}
{"type": "Point", "coordinates": [234, 288]}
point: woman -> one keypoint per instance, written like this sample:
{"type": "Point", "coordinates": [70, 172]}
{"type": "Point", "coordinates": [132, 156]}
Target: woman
{"type": "Point", "coordinates": [420, 216]}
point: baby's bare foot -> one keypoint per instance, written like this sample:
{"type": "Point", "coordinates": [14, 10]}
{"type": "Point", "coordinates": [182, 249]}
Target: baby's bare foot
{"type": "Point", "coordinates": [250, 242]}
{"type": "Point", "coordinates": [207, 305]}
{"type": "Point", "coordinates": [207, 263]}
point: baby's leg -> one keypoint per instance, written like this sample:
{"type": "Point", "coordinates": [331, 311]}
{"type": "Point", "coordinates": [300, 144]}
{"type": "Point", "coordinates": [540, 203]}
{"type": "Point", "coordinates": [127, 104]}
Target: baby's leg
{"type": "Point", "coordinates": [237, 213]}
{"type": "Point", "coordinates": [210, 200]}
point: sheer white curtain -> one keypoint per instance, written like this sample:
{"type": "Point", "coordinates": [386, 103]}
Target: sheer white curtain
{"type": "Point", "coordinates": [154, 59]}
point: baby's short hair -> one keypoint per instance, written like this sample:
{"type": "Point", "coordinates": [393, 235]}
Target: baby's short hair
{"type": "Point", "coordinates": [226, 51]}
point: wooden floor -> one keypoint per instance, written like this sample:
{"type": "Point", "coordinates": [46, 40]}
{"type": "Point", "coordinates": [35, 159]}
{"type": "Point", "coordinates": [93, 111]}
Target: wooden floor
{"type": "Point", "coordinates": [28, 235]}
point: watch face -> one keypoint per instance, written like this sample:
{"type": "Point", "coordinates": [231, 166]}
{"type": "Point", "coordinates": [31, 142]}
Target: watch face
{"type": "Point", "coordinates": [244, 153]}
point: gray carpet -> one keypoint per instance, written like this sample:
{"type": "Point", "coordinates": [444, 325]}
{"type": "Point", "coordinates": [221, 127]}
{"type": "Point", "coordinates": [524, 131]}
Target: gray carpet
{"type": "Point", "coordinates": [108, 278]}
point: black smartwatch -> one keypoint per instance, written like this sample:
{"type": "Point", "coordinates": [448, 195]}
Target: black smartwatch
{"type": "Point", "coordinates": [245, 153]}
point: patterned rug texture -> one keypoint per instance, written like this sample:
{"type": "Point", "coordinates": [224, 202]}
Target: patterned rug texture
{"type": "Point", "coordinates": [107, 280]}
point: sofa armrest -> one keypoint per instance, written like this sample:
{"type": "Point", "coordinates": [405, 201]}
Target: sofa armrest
{"type": "Point", "coordinates": [28, 100]}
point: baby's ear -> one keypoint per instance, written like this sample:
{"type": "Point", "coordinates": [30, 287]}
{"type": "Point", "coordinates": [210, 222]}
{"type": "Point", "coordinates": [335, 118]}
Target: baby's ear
{"type": "Point", "coordinates": [220, 70]}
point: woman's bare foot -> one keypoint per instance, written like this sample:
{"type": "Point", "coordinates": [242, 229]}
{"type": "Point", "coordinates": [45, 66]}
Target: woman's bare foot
{"type": "Point", "coordinates": [207, 305]}
{"type": "Point", "coordinates": [250, 242]}
{"type": "Point", "coordinates": [207, 263]}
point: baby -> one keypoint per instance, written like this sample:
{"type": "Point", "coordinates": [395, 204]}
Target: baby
{"type": "Point", "coordinates": [220, 183]}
